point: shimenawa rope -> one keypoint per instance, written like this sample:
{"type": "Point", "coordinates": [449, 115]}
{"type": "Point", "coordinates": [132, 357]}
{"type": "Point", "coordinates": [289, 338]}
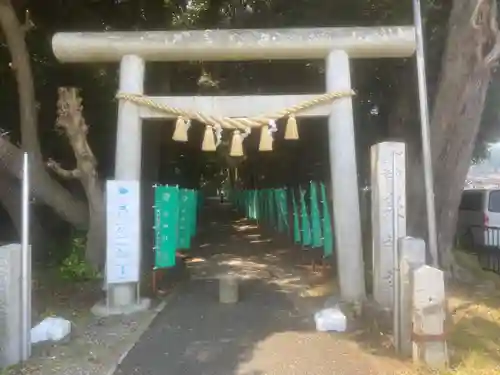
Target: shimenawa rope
{"type": "Point", "coordinates": [238, 125]}
{"type": "Point", "coordinates": [233, 123]}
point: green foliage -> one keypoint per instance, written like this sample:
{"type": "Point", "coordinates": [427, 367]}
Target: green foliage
{"type": "Point", "coordinates": [74, 267]}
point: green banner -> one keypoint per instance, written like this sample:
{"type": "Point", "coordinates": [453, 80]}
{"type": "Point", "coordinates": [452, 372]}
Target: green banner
{"type": "Point", "coordinates": [327, 224]}
{"type": "Point", "coordinates": [296, 220]}
{"type": "Point", "coordinates": [312, 221]}
{"type": "Point", "coordinates": [185, 220]}
{"type": "Point", "coordinates": [193, 199]}
{"type": "Point", "coordinates": [282, 208]}
{"type": "Point", "coordinates": [271, 204]}
{"type": "Point", "coordinates": [306, 224]}
{"type": "Point", "coordinates": [166, 223]}
{"type": "Point", "coordinates": [316, 238]}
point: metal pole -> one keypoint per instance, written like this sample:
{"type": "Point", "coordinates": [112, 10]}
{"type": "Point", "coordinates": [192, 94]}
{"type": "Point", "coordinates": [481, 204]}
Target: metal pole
{"type": "Point", "coordinates": [426, 144]}
{"type": "Point", "coordinates": [395, 274]}
{"type": "Point", "coordinates": [26, 265]}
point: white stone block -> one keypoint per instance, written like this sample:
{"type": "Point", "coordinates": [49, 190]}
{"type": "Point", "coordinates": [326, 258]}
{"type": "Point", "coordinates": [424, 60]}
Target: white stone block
{"type": "Point", "coordinates": [382, 216]}
{"type": "Point", "coordinates": [412, 257]}
{"type": "Point", "coordinates": [429, 315]}
{"type": "Point", "coordinates": [228, 289]}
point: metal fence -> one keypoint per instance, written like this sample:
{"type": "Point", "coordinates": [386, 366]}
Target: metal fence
{"type": "Point", "coordinates": [486, 244]}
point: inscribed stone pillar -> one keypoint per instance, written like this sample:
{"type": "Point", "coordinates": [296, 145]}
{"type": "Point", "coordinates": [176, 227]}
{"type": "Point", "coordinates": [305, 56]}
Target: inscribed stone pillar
{"type": "Point", "coordinates": [10, 305]}
{"type": "Point", "coordinates": [382, 172]}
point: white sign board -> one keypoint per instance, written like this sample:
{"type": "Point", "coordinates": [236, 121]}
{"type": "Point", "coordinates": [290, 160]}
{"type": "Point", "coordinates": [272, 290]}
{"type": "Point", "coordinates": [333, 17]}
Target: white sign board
{"type": "Point", "coordinates": [123, 231]}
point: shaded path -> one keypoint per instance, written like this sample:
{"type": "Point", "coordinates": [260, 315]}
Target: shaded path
{"type": "Point", "coordinates": [270, 331]}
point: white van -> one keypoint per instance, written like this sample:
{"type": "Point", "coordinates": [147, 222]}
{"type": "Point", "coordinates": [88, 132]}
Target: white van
{"type": "Point", "coordinates": [479, 218]}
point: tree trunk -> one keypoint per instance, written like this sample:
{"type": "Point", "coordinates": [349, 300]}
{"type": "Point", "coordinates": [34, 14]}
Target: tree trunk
{"type": "Point", "coordinates": [96, 235]}
{"type": "Point", "coordinates": [70, 119]}
{"type": "Point", "coordinates": [43, 186]}
{"type": "Point", "coordinates": [455, 120]}
{"type": "Point", "coordinates": [54, 194]}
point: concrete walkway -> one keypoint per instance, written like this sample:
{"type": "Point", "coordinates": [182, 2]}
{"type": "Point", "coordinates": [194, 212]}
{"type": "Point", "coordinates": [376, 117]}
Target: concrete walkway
{"type": "Point", "coordinates": [270, 331]}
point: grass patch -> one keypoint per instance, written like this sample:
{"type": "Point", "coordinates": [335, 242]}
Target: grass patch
{"type": "Point", "coordinates": [475, 310]}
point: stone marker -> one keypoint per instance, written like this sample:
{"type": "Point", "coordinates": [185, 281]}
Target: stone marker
{"type": "Point", "coordinates": [228, 289]}
{"type": "Point", "coordinates": [412, 257]}
{"type": "Point", "coordinates": [429, 314]}
{"type": "Point", "coordinates": [382, 216]}
{"type": "Point", "coordinates": [10, 305]}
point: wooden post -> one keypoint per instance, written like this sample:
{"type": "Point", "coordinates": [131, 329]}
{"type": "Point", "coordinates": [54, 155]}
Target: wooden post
{"type": "Point", "coordinates": [429, 314]}
{"type": "Point", "coordinates": [344, 180]}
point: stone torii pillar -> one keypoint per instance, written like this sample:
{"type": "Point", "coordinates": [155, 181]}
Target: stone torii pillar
{"type": "Point", "coordinates": [336, 45]}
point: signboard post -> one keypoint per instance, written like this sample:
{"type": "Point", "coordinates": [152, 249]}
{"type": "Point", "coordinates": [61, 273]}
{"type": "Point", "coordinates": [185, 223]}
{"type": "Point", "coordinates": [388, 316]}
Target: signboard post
{"type": "Point", "coordinates": [123, 242]}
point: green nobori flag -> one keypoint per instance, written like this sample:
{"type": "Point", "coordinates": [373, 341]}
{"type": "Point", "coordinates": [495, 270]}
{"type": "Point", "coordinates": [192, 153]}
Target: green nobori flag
{"type": "Point", "coordinates": [272, 208]}
{"type": "Point", "coordinates": [327, 224]}
{"type": "Point", "coordinates": [193, 198]}
{"type": "Point", "coordinates": [296, 220]}
{"type": "Point", "coordinates": [316, 238]}
{"type": "Point", "coordinates": [281, 203]}
{"type": "Point", "coordinates": [277, 206]}
{"type": "Point", "coordinates": [253, 204]}
{"type": "Point", "coordinates": [306, 224]}
{"type": "Point", "coordinates": [185, 220]}
{"type": "Point", "coordinates": [265, 208]}
{"type": "Point", "coordinates": [166, 223]}
{"type": "Point", "coordinates": [256, 204]}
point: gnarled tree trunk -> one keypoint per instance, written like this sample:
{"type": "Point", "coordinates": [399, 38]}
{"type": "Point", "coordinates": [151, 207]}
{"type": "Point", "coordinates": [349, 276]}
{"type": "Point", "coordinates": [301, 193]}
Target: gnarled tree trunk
{"type": "Point", "coordinates": [456, 116]}
{"type": "Point", "coordinates": [70, 119]}
{"type": "Point", "coordinates": [70, 209]}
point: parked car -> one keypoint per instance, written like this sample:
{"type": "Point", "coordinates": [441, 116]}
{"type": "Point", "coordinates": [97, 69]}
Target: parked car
{"type": "Point", "coordinates": [479, 218]}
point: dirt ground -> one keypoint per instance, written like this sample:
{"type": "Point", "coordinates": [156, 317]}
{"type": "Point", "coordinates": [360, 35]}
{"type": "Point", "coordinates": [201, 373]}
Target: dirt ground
{"type": "Point", "coordinates": [95, 344]}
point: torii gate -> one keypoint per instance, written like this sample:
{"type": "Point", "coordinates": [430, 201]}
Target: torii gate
{"type": "Point", "coordinates": [336, 45]}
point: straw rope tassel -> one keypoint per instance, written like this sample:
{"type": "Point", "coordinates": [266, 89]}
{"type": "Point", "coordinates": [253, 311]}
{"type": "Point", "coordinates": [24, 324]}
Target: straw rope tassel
{"type": "Point", "coordinates": [266, 139]}
{"type": "Point", "coordinates": [236, 144]}
{"type": "Point", "coordinates": [208, 143]}
{"type": "Point", "coordinates": [291, 130]}
{"type": "Point", "coordinates": [181, 129]}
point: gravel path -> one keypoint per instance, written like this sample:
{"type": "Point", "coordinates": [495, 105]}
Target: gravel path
{"type": "Point", "coordinates": [270, 331]}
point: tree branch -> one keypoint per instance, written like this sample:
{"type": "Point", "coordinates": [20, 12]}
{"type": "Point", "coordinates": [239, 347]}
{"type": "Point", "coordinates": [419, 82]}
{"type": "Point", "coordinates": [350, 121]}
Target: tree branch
{"type": "Point", "coordinates": [43, 186]}
{"type": "Point", "coordinates": [61, 172]}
